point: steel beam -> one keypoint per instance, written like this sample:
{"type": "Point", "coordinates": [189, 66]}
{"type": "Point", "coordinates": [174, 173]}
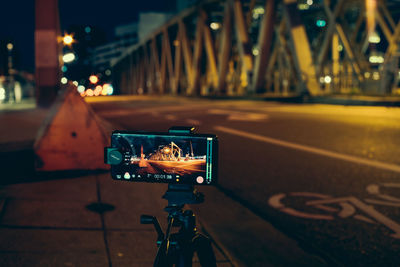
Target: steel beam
{"type": "Point", "coordinates": [155, 59]}
{"type": "Point", "coordinates": [168, 60]}
{"type": "Point", "coordinates": [224, 49]}
{"type": "Point", "coordinates": [243, 43]}
{"type": "Point", "coordinates": [187, 55]}
{"type": "Point", "coordinates": [210, 50]}
{"type": "Point", "coordinates": [197, 53]}
{"type": "Point", "coordinates": [178, 62]}
{"type": "Point", "coordinates": [302, 50]}
{"type": "Point", "coordinates": [264, 47]}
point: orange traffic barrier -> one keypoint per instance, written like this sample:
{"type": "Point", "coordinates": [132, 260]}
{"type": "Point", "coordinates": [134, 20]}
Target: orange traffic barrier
{"type": "Point", "coordinates": [72, 137]}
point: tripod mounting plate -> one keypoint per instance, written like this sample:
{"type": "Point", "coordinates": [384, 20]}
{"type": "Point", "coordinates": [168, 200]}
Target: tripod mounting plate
{"type": "Point", "coordinates": [181, 194]}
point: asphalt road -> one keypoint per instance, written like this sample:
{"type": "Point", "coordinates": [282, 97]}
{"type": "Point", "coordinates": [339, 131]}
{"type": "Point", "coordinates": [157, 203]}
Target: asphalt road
{"type": "Point", "coordinates": [326, 176]}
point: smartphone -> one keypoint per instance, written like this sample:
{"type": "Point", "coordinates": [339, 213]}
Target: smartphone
{"type": "Point", "coordinates": [163, 157]}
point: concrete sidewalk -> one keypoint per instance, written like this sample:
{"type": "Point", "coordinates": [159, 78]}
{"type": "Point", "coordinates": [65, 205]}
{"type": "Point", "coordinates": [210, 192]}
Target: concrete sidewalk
{"type": "Point", "coordinates": [87, 219]}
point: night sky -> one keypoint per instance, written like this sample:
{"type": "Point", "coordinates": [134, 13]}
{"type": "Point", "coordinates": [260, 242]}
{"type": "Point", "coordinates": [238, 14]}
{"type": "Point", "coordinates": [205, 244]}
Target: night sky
{"type": "Point", "coordinates": [17, 19]}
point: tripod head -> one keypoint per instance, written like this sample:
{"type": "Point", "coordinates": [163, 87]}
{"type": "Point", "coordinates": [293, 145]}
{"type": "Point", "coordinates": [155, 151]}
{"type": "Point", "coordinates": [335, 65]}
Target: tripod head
{"type": "Point", "coordinates": [181, 194]}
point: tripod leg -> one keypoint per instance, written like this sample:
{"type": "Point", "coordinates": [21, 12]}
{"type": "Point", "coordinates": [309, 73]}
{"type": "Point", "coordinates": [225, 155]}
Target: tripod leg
{"type": "Point", "coordinates": [162, 259]}
{"type": "Point", "coordinates": [185, 257]}
{"type": "Point", "coordinates": [205, 253]}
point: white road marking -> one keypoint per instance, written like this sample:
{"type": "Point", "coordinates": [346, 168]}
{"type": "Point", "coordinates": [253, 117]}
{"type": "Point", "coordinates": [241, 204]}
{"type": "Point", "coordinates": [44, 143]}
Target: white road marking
{"type": "Point", "coordinates": [314, 150]}
{"type": "Point", "coordinates": [239, 115]}
{"type": "Point", "coordinates": [389, 223]}
{"type": "Point", "coordinates": [381, 202]}
{"type": "Point", "coordinates": [365, 219]}
{"type": "Point", "coordinates": [374, 190]}
{"type": "Point", "coordinates": [275, 202]}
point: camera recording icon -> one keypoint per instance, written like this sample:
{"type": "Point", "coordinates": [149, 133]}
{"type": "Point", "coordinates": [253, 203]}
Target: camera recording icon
{"type": "Point", "coordinates": [200, 179]}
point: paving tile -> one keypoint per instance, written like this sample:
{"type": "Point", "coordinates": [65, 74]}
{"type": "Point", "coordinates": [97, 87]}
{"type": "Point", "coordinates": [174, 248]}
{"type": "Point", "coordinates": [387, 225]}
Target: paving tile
{"type": "Point", "coordinates": [134, 247]}
{"type": "Point", "coordinates": [72, 189]}
{"type": "Point", "coordinates": [129, 248]}
{"type": "Point", "coordinates": [132, 200]}
{"type": "Point", "coordinates": [27, 247]}
{"type": "Point", "coordinates": [64, 214]}
{"type": "Point", "coordinates": [51, 260]}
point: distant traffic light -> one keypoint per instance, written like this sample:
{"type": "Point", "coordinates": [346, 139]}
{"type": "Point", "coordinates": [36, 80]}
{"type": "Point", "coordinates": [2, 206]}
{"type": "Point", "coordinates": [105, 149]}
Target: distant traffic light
{"type": "Point", "coordinates": [321, 23]}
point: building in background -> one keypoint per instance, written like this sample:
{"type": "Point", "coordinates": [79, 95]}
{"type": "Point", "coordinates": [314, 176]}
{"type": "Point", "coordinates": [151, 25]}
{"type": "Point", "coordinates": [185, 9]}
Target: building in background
{"type": "Point", "coordinates": [183, 4]}
{"type": "Point", "coordinates": [151, 21]}
{"type": "Point", "coordinates": [125, 36]}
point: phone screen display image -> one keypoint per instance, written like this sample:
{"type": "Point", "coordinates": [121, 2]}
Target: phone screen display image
{"type": "Point", "coordinates": [165, 158]}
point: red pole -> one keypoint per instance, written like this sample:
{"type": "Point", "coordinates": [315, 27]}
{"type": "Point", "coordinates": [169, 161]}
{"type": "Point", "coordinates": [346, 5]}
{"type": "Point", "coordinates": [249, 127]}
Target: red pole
{"type": "Point", "coordinates": [47, 51]}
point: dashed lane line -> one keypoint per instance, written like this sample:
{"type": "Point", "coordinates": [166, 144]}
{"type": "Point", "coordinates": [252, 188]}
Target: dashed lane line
{"type": "Point", "coordinates": [309, 149]}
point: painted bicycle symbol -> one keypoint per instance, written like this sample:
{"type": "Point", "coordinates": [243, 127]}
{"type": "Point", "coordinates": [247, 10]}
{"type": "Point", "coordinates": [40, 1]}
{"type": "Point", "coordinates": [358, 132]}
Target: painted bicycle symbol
{"type": "Point", "coordinates": [342, 207]}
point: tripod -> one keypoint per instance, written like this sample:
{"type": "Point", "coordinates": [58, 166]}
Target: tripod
{"type": "Point", "coordinates": [178, 248]}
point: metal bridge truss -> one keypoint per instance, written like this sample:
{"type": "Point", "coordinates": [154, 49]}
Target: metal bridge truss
{"type": "Point", "coordinates": [266, 48]}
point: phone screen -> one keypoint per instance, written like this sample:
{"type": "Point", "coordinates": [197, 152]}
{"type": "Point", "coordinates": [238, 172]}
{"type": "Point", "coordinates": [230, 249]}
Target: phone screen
{"type": "Point", "coordinates": [165, 158]}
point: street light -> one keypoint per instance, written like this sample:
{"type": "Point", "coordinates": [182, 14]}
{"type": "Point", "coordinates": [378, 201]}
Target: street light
{"type": "Point", "coordinates": [215, 26]}
{"type": "Point", "coordinates": [374, 38]}
{"type": "Point", "coordinates": [10, 46]}
{"type": "Point", "coordinates": [68, 39]}
{"type": "Point", "coordinates": [69, 57]}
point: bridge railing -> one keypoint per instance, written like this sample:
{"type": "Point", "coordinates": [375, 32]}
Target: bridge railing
{"type": "Point", "coordinates": [278, 48]}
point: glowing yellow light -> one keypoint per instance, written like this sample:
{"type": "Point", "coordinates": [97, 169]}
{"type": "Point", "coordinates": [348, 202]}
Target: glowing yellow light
{"type": "Point", "coordinates": [98, 90]}
{"type": "Point", "coordinates": [303, 6]}
{"type": "Point", "coordinates": [69, 57]}
{"type": "Point", "coordinates": [215, 26]}
{"type": "Point", "coordinates": [374, 38]}
{"type": "Point", "coordinates": [64, 80]}
{"type": "Point", "coordinates": [93, 79]}
{"type": "Point", "coordinates": [109, 88]}
{"type": "Point", "coordinates": [2, 93]}
{"type": "Point", "coordinates": [367, 75]}
{"type": "Point", "coordinates": [376, 59]}
{"type": "Point", "coordinates": [10, 46]}
{"type": "Point", "coordinates": [327, 79]}
{"type": "Point", "coordinates": [257, 11]}
{"type": "Point", "coordinates": [104, 91]}
{"type": "Point", "coordinates": [255, 51]}
{"type": "Point", "coordinates": [89, 92]}
{"type": "Point", "coordinates": [68, 39]}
